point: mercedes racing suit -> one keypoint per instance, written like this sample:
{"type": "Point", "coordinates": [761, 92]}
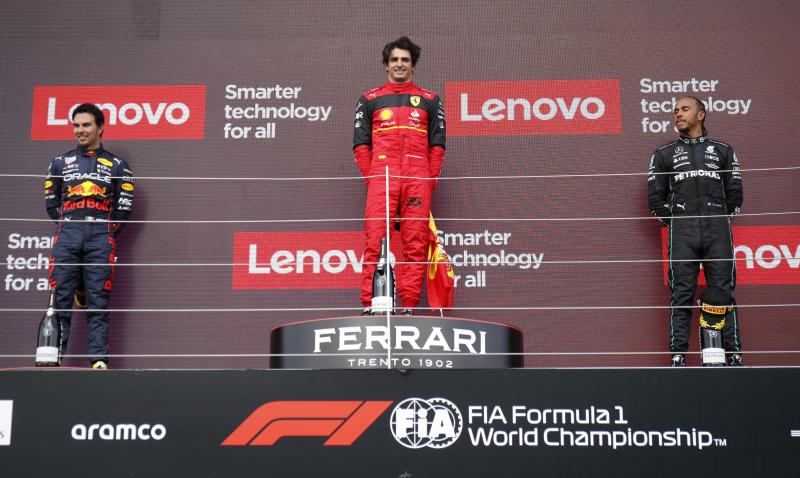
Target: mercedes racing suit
{"type": "Point", "coordinates": [697, 177]}
{"type": "Point", "coordinates": [400, 126]}
{"type": "Point", "coordinates": [86, 190]}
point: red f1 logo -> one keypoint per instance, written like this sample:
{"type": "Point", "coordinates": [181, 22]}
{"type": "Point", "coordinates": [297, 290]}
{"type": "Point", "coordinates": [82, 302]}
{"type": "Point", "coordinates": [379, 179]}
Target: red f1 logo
{"type": "Point", "coordinates": [342, 421]}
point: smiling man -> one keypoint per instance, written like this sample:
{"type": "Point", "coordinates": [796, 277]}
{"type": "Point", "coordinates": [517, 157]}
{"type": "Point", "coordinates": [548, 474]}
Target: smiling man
{"type": "Point", "coordinates": [402, 126]}
{"type": "Point", "coordinates": [694, 188]}
{"type": "Point", "coordinates": [86, 191]}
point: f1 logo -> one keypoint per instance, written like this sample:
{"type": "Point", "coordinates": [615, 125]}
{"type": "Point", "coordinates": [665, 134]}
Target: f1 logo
{"type": "Point", "coordinates": [341, 421]}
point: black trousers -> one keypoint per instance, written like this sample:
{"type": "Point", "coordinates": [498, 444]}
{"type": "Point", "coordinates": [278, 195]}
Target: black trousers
{"type": "Point", "coordinates": [693, 241]}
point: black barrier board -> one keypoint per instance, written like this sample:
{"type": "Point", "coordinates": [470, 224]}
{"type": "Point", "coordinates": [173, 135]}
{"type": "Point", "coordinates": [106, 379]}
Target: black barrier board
{"type": "Point", "coordinates": [576, 422]}
{"type": "Point", "coordinates": [400, 342]}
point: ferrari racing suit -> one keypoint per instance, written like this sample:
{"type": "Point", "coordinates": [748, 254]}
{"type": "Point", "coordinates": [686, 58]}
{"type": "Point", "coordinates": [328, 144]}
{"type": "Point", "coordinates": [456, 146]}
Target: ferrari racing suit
{"type": "Point", "coordinates": [400, 126]}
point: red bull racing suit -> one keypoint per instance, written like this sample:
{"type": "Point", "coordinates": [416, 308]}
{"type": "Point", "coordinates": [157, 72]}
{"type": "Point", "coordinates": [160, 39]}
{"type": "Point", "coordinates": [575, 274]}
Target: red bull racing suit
{"type": "Point", "coordinates": [400, 126]}
{"type": "Point", "coordinates": [86, 191]}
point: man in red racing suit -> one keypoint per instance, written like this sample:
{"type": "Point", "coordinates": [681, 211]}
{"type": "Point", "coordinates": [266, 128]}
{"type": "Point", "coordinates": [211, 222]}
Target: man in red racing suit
{"type": "Point", "coordinates": [402, 126]}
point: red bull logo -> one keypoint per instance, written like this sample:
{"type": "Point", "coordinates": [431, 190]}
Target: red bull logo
{"type": "Point", "coordinates": [87, 203]}
{"type": "Point", "coordinates": [86, 188]}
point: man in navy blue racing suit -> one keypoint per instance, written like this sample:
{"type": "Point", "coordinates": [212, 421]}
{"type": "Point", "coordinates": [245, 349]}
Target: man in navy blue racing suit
{"type": "Point", "coordinates": [86, 190]}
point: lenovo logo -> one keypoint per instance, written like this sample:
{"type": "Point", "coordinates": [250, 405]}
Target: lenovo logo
{"type": "Point", "coordinates": [299, 260]}
{"type": "Point", "coordinates": [341, 421]}
{"type": "Point", "coordinates": [533, 107]}
{"type": "Point", "coordinates": [132, 112]}
{"type": "Point", "coordinates": [764, 255]}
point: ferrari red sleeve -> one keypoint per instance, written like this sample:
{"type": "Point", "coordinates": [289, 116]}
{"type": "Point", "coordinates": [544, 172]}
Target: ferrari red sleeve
{"type": "Point", "coordinates": [363, 157]}
{"type": "Point", "coordinates": [435, 159]}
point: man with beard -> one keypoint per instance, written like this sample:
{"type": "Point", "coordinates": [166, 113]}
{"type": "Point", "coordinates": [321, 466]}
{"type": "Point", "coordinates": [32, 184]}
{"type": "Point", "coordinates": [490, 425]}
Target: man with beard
{"type": "Point", "coordinates": [694, 188]}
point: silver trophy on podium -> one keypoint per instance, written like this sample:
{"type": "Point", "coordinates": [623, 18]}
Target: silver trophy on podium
{"type": "Point", "coordinates": [714, 305]}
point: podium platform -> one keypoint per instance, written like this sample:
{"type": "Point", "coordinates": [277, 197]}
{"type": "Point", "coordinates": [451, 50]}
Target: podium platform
{"type": "Point", "coordinates": [395, 341]}
{"type": "Point", "coordinates": [709, 422]}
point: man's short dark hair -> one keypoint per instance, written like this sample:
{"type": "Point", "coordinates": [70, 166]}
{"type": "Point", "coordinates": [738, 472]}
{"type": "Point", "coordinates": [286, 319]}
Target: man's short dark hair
{"type": "Point", "coordinates": [99, 117]}
{"type": "Point", "coordinates": [702, 107]}
{"type": "Point", "coordinates": [402, 43]}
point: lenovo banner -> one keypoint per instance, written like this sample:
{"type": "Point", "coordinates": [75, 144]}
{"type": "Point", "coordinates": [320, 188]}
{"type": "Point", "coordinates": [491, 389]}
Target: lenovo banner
{"type": "Point", "coordinates": [764, 254]}
{"type": "Point", "coordinates": [132, 112]}
{"type": "Point", "coordinates": [504, 108]}
{"type": "Point", "coordinates": [300, 260]}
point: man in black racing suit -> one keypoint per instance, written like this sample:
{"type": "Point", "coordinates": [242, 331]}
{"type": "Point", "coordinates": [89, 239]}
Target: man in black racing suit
{"type": "Point", "coordinates": [86, 191]}
{"type": "Point", "coordinates": [694, 187]}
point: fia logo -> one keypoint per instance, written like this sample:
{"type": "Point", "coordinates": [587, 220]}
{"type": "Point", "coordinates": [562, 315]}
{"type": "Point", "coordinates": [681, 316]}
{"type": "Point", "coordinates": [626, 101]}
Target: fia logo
{"type": "Point", "coordinates": [419, 423]}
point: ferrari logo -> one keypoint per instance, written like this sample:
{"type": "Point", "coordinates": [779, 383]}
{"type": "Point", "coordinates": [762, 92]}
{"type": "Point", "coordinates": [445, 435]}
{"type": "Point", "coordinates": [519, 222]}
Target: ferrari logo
{"type": "Point", "coordinates": [415, 101]}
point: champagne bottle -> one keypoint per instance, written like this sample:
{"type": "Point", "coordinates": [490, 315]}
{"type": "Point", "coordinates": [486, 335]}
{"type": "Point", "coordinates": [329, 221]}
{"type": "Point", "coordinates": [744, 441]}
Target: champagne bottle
{"type": "Point", "coordinates": [49, 337]}
{"type": "Point", "coordinates": [383, 290]}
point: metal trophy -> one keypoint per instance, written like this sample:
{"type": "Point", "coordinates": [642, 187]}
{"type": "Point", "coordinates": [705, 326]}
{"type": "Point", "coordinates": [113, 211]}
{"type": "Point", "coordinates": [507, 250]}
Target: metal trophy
{"type": "Point", "coordinates": [711, 347]}
{"type": "Point", "coordinates": [383, 290]}
{"type": "Point", "coordinates": [49, 337]}
{"type": "Point", "coordinates": [714, 305]}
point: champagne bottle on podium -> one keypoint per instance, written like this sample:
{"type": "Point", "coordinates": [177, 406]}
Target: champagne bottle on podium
{"type": "Point", "coordinates": [49, 337]}
{"type": "Point", "coordinates": [383, 290]}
